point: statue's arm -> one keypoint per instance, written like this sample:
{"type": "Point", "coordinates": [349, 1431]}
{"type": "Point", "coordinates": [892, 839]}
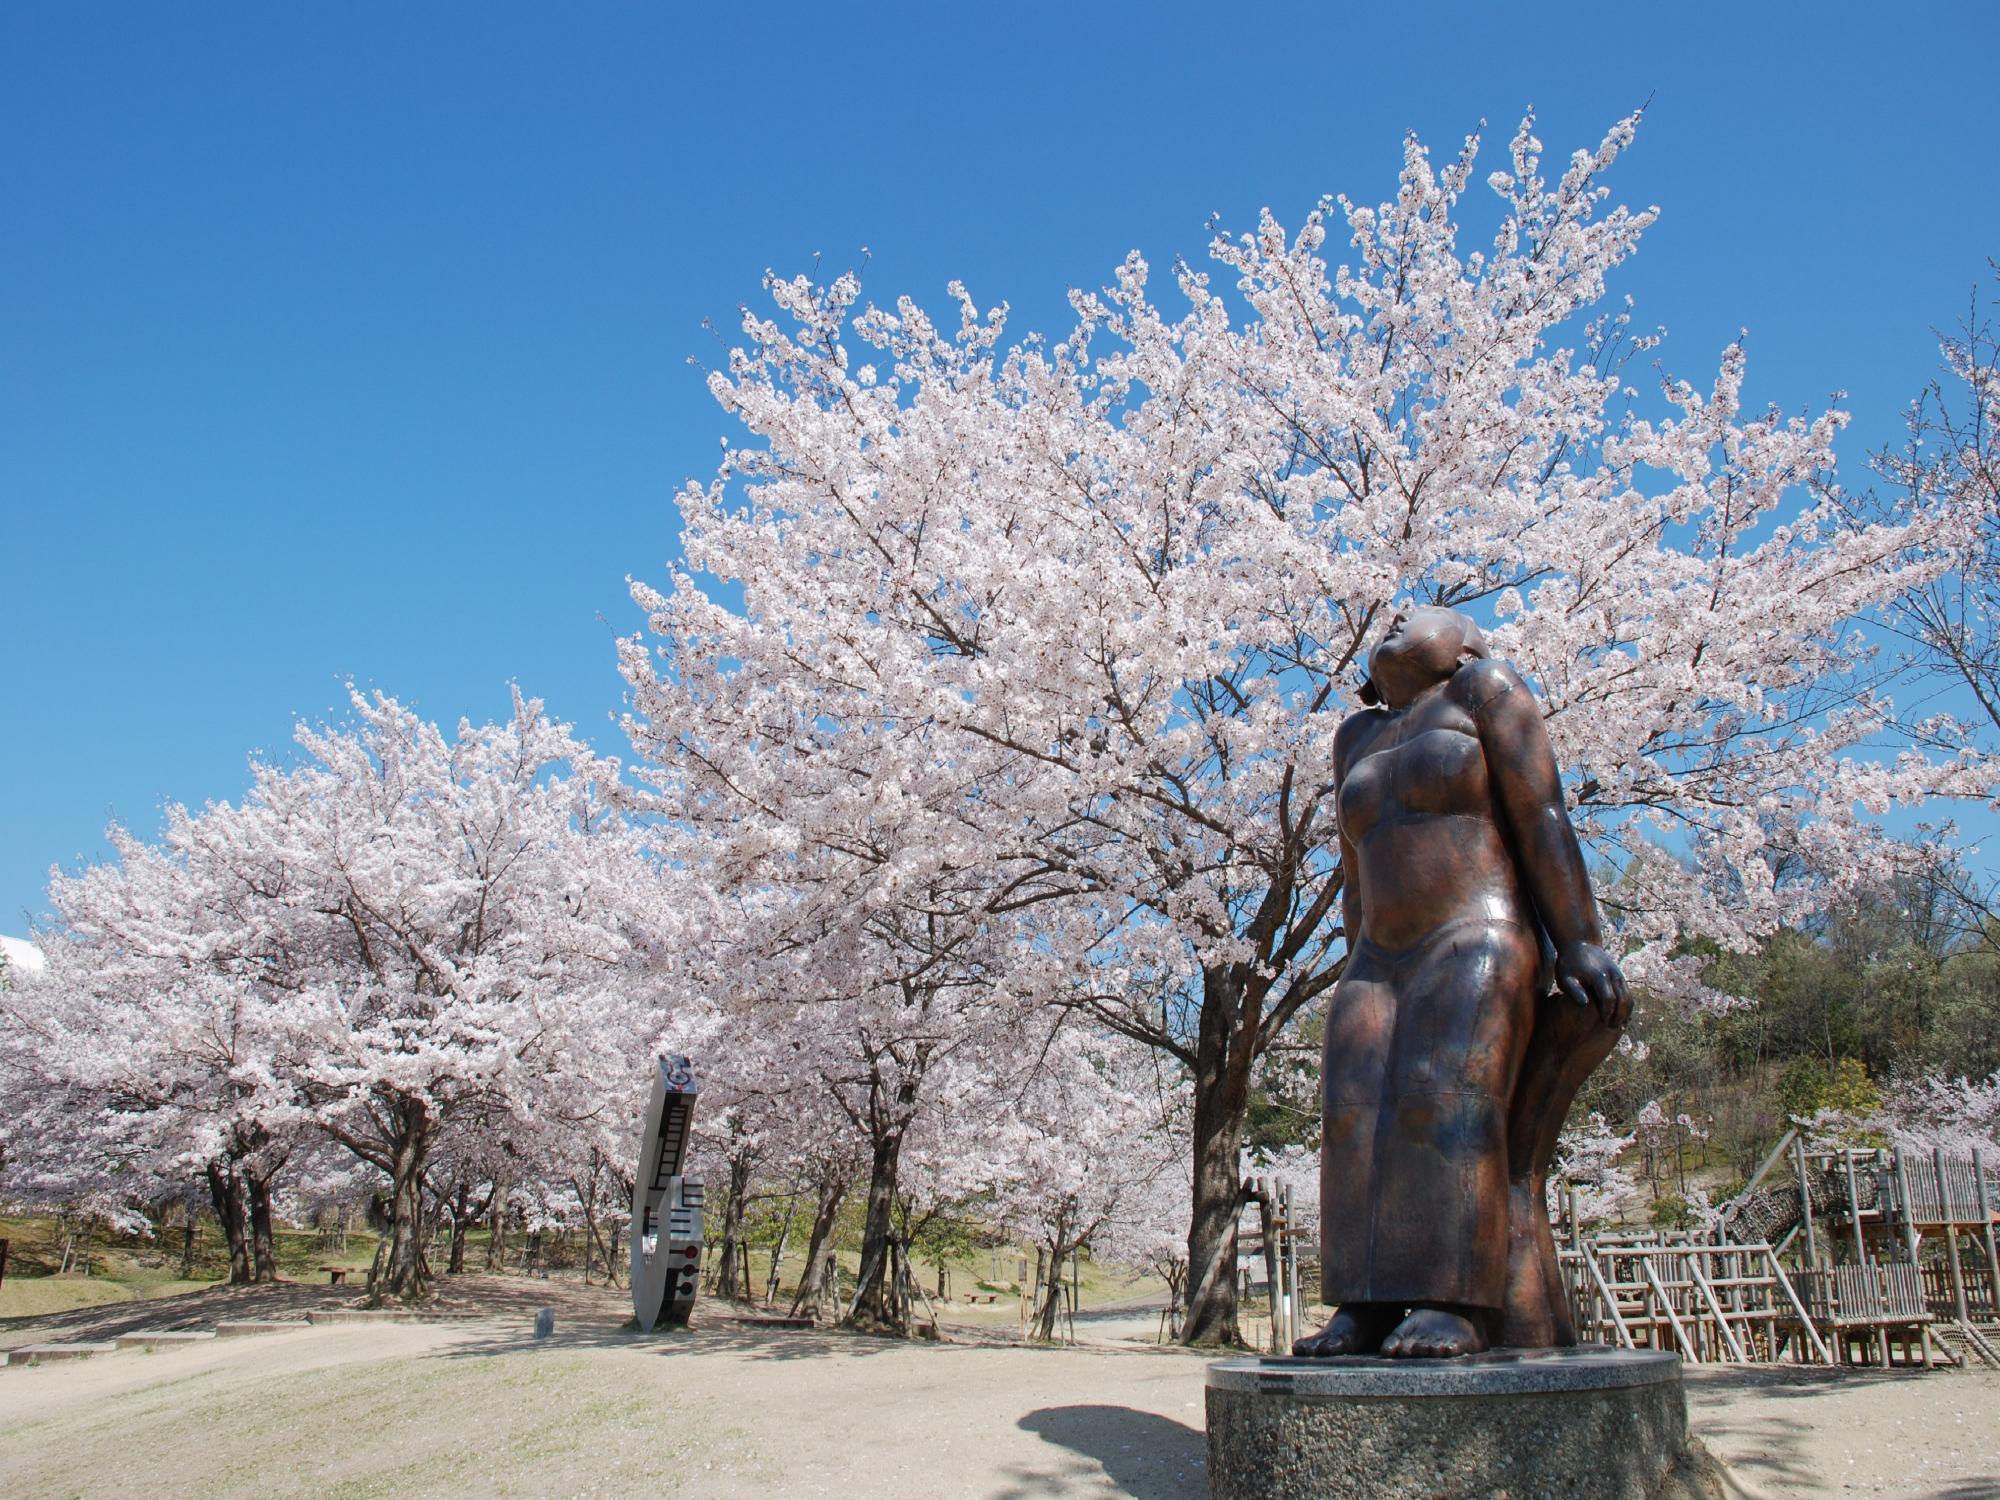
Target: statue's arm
{"type": "Point", "coordinates": [1344, 741]}
{"type": "Point", "coordinates": [1350, 894]}
{"type": "Point", "coordinates": [1527, 787]}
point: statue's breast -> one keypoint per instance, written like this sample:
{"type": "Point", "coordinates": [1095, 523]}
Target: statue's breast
{"type": "Point", "coordinates": [1438, 771]}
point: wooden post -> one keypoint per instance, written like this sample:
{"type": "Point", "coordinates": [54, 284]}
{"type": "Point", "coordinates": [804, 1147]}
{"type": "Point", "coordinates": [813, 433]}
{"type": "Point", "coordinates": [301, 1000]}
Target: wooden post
{"type": "Point", "coordinates": [1906, 1203]}
{"type": "Point", "coordinates": [1854, 1207]}
{"type": "Point", "coordinates": [1950, 1237]}
{"type": "Point", "coordinates": [1906, 1199]}
{"type": "Point", "coordinates": [1805, 1202]}
{"type": "Point", "coordinates": [1298, 1301]}
{"type": "Point", "coordinates": [1986, 1229]}
{"type": "Point", "coordinates": [1267, 1214]}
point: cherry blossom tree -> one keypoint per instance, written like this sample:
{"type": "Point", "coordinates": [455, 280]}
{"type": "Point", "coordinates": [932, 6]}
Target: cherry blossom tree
{"type": "Point", "coordinates": [160, 1024]}
{"type": "Point", "coordinates": [1079, 615]}
{"type": "Point", "coordinates": [862, 937]}
{"type": "Point", "coordinates": [1151, 1234]}
{"type": "Point", "coordinates": [1957, 1114]}
{"type": "Point", "coordinates": [477, 910]}
{"type": "Point", "coordinates": [894, 1054]}
{"type": "Point", "coordinates": [427, 946]}
{"type": "Point", "coordinates": [1587, 1155]}
{"type": "Point", "coordinates": [1946, 621]}
{"type": "Point", "coordinates": [1949, 463]}
{"type": "Point", "coordinates": [1096, 1132]}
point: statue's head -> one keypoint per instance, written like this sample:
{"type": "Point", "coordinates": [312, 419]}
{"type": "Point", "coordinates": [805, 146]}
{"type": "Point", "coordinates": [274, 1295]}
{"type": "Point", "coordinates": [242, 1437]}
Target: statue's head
{"type": "Point", "coordinates": [1425, 645]}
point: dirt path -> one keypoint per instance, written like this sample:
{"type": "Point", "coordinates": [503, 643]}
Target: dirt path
{"type": "Point", "coordinates": [741, 1412]}
{"type": "Point", "coordinates": [732, 1413]}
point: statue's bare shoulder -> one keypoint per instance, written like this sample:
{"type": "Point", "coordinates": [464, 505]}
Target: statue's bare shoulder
{"type": "Point", "coordinates": [1484, 686]}
{"type": "Point", "coordinates": [1350, 740]}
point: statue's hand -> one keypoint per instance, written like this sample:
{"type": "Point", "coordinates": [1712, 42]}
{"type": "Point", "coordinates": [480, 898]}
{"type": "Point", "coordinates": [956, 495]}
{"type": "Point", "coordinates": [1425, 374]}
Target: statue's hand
{"type": "Point", "coordinates": [1590, 976]}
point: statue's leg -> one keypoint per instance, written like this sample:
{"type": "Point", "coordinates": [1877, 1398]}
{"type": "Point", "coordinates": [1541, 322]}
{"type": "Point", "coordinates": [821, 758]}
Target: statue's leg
{"type": "Point", "coordinates": [1442, 1246]}
{"type": "Point", "coordinates": [1360, 1029]}
{"type": "Point", "coordinates": [1568, 1042]}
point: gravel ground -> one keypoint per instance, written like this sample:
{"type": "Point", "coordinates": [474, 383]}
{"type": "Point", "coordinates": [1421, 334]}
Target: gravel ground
{"type": "Point", "coordinates": [1785, 1431]}
{"type": "Point", "coordinates": [733, 1410]}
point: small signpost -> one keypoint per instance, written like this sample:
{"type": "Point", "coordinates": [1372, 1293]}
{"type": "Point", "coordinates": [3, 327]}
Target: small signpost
{"type": "Point", "coordinates": [666, 1207]}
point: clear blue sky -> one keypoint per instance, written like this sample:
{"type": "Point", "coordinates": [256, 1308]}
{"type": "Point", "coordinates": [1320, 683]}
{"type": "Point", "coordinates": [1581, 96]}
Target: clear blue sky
{"type": "Point", "coordinates": [353, 340]}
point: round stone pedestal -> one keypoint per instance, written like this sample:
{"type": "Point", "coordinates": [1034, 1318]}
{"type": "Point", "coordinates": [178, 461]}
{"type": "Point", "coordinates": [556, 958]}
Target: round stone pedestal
{"type": "Point", "coordinates": [1535, 1424]}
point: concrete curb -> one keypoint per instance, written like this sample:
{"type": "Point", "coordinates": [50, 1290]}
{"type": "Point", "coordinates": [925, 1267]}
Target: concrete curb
{"type": "Point", "coordinates": [35, 1354]}
{"type": "Point", "coordinates": [149, 1338]}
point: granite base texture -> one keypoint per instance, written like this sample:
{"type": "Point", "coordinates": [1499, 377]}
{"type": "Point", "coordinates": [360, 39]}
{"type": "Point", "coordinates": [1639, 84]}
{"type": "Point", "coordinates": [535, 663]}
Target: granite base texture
{"type": "Point", "coordinates": [1550, 1425]}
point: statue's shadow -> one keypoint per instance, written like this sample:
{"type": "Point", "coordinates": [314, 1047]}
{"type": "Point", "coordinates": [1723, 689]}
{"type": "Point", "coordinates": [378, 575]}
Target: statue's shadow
{"type": "Point", "coordinates": [1145, 1455]}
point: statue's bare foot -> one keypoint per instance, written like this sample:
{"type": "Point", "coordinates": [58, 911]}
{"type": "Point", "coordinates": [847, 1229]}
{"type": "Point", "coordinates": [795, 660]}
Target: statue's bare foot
{"type": "Point", "coordinates": [1353, 1330]}
{"type": "Point", "coordinates": [1433, 1333]}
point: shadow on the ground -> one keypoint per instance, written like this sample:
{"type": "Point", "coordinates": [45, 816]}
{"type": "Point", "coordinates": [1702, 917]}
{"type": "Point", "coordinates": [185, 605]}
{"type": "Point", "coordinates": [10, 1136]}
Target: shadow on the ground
{"type": "Point", "coordinates": [586, 1317]}
{"type": "Point", "coordinates": [712, 1333]}
{"type": "Point", "coordinates": [1768, 1450]}
{"type": "Point", "coordinates": [1796, 1380]}
{"type": "Point", "coordinates": [469, 1295]}
{"type": "Point", "coordinates": [1144, 1455]}
{"type": "Point", "coordinates": [204, 1309]}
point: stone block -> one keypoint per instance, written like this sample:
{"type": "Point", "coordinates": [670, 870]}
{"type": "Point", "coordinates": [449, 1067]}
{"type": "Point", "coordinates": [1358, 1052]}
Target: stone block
{"type": "Point", "coordinates": [36, 1354]}
{"type": "Point", "coordinates": [1555, 1424]}
{"type": "Point", "coordinates": [383, 1315]}
{"type": "Point", "coordinates": [164, 1337]}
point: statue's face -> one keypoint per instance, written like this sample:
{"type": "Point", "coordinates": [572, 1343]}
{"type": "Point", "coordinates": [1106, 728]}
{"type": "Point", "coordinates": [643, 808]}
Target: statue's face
{"type": "Point", "coordinates": [1423, 646]}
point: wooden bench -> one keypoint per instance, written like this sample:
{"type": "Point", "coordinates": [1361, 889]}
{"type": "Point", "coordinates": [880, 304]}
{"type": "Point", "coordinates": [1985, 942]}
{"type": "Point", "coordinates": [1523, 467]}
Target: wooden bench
{"type": "Point", "coordinates": [335, 1275]}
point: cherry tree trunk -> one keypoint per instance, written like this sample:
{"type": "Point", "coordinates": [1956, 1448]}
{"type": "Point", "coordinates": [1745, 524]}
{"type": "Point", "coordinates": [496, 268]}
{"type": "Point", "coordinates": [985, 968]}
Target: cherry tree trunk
{"type": "Point", "coordinates": [728, 1282]}
{"type": "Point", "coordinates": [263, 1251]}
{"type": "Point", "coordinates": [401, 1273]}
{"type": "Point", "coordinates": [778, 1251]}
{"type": "Point", "coordinates": [496, 1241]}
{"type": "Point", "coordinates": [592, 1245]}
{"type": "Point", "coordinates": [1052, 1291]}
{"type": "Point", "coordinates": [225, 1192]}
{"type": "Point", "coordinates": [460, 1222]}
{"type": "Point", "coordinates": [1221, 1107]}
{"type": "Point", "coordinates": [819, 1249]}
{"type": "Point", "coordinates": [876, 1308]}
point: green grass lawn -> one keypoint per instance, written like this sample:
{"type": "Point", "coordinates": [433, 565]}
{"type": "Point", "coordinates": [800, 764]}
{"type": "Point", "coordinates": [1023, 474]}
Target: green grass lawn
{"type": "Point", "coordinates": [126, 1268]}
{"type": "Point", "coordinates": [129, 1268]}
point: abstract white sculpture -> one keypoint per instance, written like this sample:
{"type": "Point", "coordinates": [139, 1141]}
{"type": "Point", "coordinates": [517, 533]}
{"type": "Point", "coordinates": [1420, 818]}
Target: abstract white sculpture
{"type": "Point", "coordinates": [666, 1207]}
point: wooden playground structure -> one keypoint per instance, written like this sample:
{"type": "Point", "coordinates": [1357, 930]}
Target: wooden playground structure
{"type": "Point", "coordinates": [1271, 1241]}
{"type": "Point", "coordinates": [1862, 1257]}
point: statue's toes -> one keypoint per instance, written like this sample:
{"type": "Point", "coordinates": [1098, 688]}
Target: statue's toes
{"type": "Point", "coordinates": [1431, 1334]}
{"type": "Point", "coordinates": [1344, 1335]}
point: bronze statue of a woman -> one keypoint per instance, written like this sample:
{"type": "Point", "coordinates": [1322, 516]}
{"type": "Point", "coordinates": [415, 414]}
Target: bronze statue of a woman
{"type": "Point", "coordinates": [1475, 1000]}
